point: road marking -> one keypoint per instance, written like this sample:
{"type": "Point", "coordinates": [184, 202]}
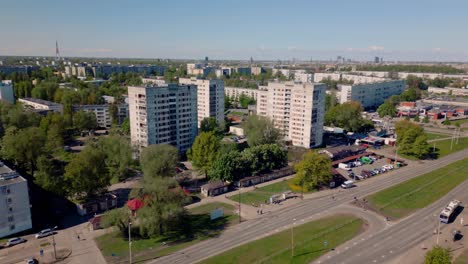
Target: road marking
{"type": "Point", "coordinates": [383, 256]}
{"type": "Point", "coordinates": [355, 243]}
{"type": "Point", "coordinates": [375, 260]}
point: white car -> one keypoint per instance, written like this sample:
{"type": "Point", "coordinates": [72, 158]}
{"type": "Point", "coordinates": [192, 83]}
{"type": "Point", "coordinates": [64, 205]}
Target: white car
{"type": "Point", "coordinates": [45, 233]}
{"type": "Point", "coordinates": [15, 241]}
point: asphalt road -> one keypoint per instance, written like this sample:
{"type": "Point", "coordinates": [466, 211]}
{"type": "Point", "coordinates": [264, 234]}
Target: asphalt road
{"type": "Point", "coordinates": [396, 239]}
{"type": "Point", "coordinates": [311, 209]}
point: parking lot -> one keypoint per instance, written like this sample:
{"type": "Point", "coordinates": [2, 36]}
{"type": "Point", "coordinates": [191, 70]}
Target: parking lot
{"type": "Point", "coordinates": [358, 170]}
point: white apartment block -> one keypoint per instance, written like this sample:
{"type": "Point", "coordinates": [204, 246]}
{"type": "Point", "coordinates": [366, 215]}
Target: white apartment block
{"type": "Point", "coordinates": [15, 212]}
{"type": "Point", "coordinates": [303, 77]}
{"type": "Point", "coordinates": [156, 81]}
{"type": "Point", "coordinates": [236, 92]}
{"type": "Point", "coordinates": [297, 109]}
{"type": "Point", "coordinates": [103, 115]}
{"type": "Point", "coordinates": [163, 115]}
{"type": "Point", "coordinates": [210, 98]}
{"type": "Point", "coordinates": [319, 76]}
{"type": "Point", "coordinates": [255, 70]}
{"type": "Point", "coordinates": [370, 95]}
{"type": "Point", "coordinates": [6, 91]}
{"type": "Point", "coordinates": [41, 104]}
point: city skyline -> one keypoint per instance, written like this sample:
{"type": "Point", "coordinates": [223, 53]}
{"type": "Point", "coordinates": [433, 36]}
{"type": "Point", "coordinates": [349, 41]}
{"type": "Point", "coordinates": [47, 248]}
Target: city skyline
{"type": "Point", "coordinates": [263, 30]}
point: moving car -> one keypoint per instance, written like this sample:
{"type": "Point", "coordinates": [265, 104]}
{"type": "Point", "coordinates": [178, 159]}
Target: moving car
{"type": "Point", "coordinates": [347, 184]}
{"type": "Point", "coordinates": [31, 261]}
{"type": "Point", "coordinates": [15, 241]}
{"type": "Point", "coordinates": [45, 233]}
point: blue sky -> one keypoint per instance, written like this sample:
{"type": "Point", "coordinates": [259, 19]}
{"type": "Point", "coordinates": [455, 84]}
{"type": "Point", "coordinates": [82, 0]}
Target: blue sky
{"type": "Point", "coordinates": [433, 30]}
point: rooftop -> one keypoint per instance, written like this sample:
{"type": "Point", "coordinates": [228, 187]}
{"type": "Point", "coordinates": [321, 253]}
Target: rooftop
{"type": "Point", "coordinates": [39, 101]}
{"type": "Point", "coordinates": [12, 176]}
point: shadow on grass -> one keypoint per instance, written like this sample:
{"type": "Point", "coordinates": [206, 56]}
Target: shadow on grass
{"type": "Point", "coordinates": [311, 252]}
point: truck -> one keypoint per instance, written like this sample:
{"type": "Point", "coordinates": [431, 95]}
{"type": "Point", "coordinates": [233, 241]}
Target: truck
{"type": "Point", "coordinates": [448, 211]}
{"type": "Point", "coordinates": [347, 184]}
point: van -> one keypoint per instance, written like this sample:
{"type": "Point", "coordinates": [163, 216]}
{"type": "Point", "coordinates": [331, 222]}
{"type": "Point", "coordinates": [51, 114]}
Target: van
{"type": "Point", "coordinates": [347, 184]}
{"type": "Point", "coordinates": [344, 166]}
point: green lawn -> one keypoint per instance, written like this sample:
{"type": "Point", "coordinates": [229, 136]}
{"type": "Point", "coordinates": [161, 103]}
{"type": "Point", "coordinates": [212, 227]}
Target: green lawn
{"type": "Point", "coordinates": [262, 194]}
{"type": "Point", "coordinates": [461, 122]}
{"type": "Point", "coordinates": [405, 198]}
{"type": "Point", "coordinates": [443, 146]}
{"type": "Point", "coordinates": [309, 241]}
{"type": "Point", "coordinates": [114, 246]}
{"type": "Point", "coordinates": [431, 136]}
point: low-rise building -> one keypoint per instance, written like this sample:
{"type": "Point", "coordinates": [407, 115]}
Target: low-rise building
{"type": "Point", "coordinates": [6, 91]}
{"type": "Point", "coordinates": [255, 70]}
{"type": "Point", "coordinates": [448, 90]}
{"type": "Point", "coordinates": [15, 213]}
{"type": "Point", "coordinates": [41, 104]}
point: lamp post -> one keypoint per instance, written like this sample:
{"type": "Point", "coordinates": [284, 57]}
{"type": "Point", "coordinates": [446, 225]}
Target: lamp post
{"type": "Point", "coordinates": [130, 241]}
{"type": "Point", "coordinates": [292, 237]}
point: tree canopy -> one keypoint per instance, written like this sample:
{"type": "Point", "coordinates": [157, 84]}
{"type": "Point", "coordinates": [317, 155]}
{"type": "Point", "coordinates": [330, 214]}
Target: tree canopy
{"type": "Point", "coordinates": [204, 151]}
{"type": "Point", "coordinates": [411, 139]}
{"type": "Point", "coordinates": [260, 130]}
{"type": "Point", "coordinates": [438, 255]}
{"type": "Point", "coordinates": [159, 161]}
{"type": "Point", "coordinates": [347, 116]}
{"type": "Point", "coordinates": [312, 171]}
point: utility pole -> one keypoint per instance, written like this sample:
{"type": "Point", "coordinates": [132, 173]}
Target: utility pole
{"type": "Point", "coordinates": [130, 241]}
{"type": "Point", "coordinates": [292, 237]}
{"type": "Point", "coordinates": [53, 243]}
{"type": "Point", "coordinates": [240, 218]}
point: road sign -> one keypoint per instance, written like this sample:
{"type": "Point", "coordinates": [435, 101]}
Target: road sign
{"type": "Point", "coordinates": [216, 213]}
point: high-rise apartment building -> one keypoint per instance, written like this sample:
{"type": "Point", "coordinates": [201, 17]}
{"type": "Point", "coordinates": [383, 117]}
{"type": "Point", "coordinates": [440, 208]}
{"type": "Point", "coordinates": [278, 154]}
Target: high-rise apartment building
{"type": "Point", "coordinates": [297, 109]}
{"type": "Point", "coordinates": [163, 115]}
{"type": "Point", "coordinates": [6, 91]}
{"type": "Point", "coordinates": [210, 98]}
{"type": "Point", "coordinates": [15, 213]}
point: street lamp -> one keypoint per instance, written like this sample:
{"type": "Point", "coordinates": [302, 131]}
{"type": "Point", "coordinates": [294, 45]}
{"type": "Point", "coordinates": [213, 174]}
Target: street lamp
{"type": "Point", "coordinates": [292, 237]}
{"type": "Point", "coordinates": [130, 241]}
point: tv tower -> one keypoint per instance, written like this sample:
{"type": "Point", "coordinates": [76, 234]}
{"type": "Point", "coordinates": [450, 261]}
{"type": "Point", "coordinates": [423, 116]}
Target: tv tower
{"type": "Point", "coordinates": [57, 52]}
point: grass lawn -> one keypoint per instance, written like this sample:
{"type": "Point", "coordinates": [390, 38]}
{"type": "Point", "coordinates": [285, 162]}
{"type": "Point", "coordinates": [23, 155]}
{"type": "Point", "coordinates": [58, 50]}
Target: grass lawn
{"type": "Point", "coordinates": [403, 199]}
{"type": "Point", "coordinates": [309, 241]}
{"type": "Point", "coordinates": [431, 136]}
{"type": "Point", "coordinates": [463, 258]}
{"type": "Point", "coordinates": [461, 122]}
{"type": "Point", "coordinates": [260, 195]}
{"type": "Point", "coordinates": [443, 146]}
{"type": "Point", "coordinates": [114, 246]}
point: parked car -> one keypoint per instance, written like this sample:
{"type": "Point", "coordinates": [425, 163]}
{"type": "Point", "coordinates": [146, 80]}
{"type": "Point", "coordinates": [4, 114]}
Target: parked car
{"type": "Point", "coordinates": [388, 166]}
{"type": "Point", "coordinates": [45, 233]}
{"type": "Point", "coordinates": [31, 261]}
{"type": "Point", "coordinates": [347, 184]}
{"type": "Point", "coordinates": [15, 241]}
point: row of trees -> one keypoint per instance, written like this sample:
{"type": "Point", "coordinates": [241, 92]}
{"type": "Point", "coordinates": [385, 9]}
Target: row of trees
{"type": "Point", "coordinates": [347, 116]}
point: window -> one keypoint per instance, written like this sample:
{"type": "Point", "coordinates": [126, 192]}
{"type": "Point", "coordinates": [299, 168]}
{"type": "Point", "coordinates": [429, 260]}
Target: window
{"type": "Point", "coordinates": [10, 218]}
{"type": "Point", "coordinates": [12, 227]}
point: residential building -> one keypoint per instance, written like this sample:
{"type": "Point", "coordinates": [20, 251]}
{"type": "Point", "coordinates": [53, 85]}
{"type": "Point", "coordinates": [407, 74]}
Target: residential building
{"type": "Point", "coordinates": [296, 109]}
{"type": "Point", "coordinates": [163, 115]}
{"type": "Point", "coordinates": [9, 69]}
{"type": "Point", "coordinates": [319, 76]}
{"type": "Point", "coordinates": [210, 98]}
{"type": "Point", "coordinates": [448, 90]}
{"type": "Point", "coordinates": [6, 91]}
{"type": "Point", "coordinates": [15, 213]}
{"type": "Point", "coordinates": [370, 95]}
{"type": "Point", "coordinates": [236, 92]}
{"type": "Point", "coordinates": [103, 113]}
{"type": "Point", "coordinates": [243, 70]}
{"type": "Point", "coordinates": [257, 70]}
{"type": "Point", "coordinates": [156, 80]}
{"type": "Point", "coordinates": [303, 77]}
{"type": "Point", "coordinates": [41, 104]}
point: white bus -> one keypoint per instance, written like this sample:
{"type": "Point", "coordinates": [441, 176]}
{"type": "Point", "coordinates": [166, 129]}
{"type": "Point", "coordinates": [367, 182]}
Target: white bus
{"type": "Point", "coordinates": [448, 211]}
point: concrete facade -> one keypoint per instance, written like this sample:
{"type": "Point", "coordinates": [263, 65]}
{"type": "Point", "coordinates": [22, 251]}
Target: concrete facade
{"type": "Point", "coordinates": [370, 94]}
{"type": "Point", "coordinates": [298, 110]}
{"type": "Point", "coordinates": [15, 213]}
{"type": "Point", "coordinates": [41, 104]}
{"type": "Point", "coordinates": [210, 98]}
{"type": "Point", "coordinates": [163, 115]}
{"type": "Point", "coordinates": [235, 92]}
{"type": "Point", "coordinates": [6, 91]}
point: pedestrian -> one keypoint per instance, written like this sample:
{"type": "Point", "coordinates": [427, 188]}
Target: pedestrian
{"type": "Point", "coordinates": [333, 197]}
{"type": "Point", "coordinates": [78, 236]}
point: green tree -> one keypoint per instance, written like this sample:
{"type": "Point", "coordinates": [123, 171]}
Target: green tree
{"type": "Point", "coordinates": [426, 119]}
{"type": "Point", "coordinates": [387, 109]}
{"type": "Point", "coordinates": [416, 82]}
{"type": "Point", "coordinates": [446, 122]}
{"type": "Point", "coordinates": [117, 217]}
{"type": "Point", "coordinates": [227, 102]}
{"type": "Point", "coordinates": [84, 120]}
{"type": "Point", "coordinates": [229, 166]}
{"type": "Point", "coordinates": [164, 207]}
{"type": "Point", "coordinates": [87, 173]}
{"type": "Point", "coordinates": [265, 158]}
{"type": "Point", "coordinates": [416, 118]}
{"type": "Point", "coordinates": [49, 177]}
{"type": "Point", "coordinates": [159, 161]}
{"type": "Point", "coordinates": [118, 155]}
{"type": "Point", "coordinates": [411, 95]}
{"type": "Point", "coordinates": [420, 147]}
{"type": "Point", "coordinates": [438, 255]}
{"type": "Point", "coordinates": [209, 124]}
{"type": "Point", "coordinates": [347, 116]}
{"type": "Point", "coordinates": [126, 126]}
{"type": "Point", "coordinates": [330, 101]}
{"type": "Point", "coordinates": [312, 171]}
{"type": "Point", "coordinates": [245, 100]}
{"type": "Point", "coordinates": [204, 151]}
{"type": "Point", "coordinates": [23, 146]}
{"type": "Point", "coordinates": [260, 130]}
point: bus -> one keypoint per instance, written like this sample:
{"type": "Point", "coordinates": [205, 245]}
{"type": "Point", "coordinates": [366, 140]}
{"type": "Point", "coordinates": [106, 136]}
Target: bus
{"type": "Point", "coordinates": [448, 211]}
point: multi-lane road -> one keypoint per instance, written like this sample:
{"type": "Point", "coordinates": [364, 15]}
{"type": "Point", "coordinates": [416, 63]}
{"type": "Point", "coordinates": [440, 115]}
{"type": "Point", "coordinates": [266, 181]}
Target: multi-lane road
{"type": "Point", "coordinates": [377, 245]}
